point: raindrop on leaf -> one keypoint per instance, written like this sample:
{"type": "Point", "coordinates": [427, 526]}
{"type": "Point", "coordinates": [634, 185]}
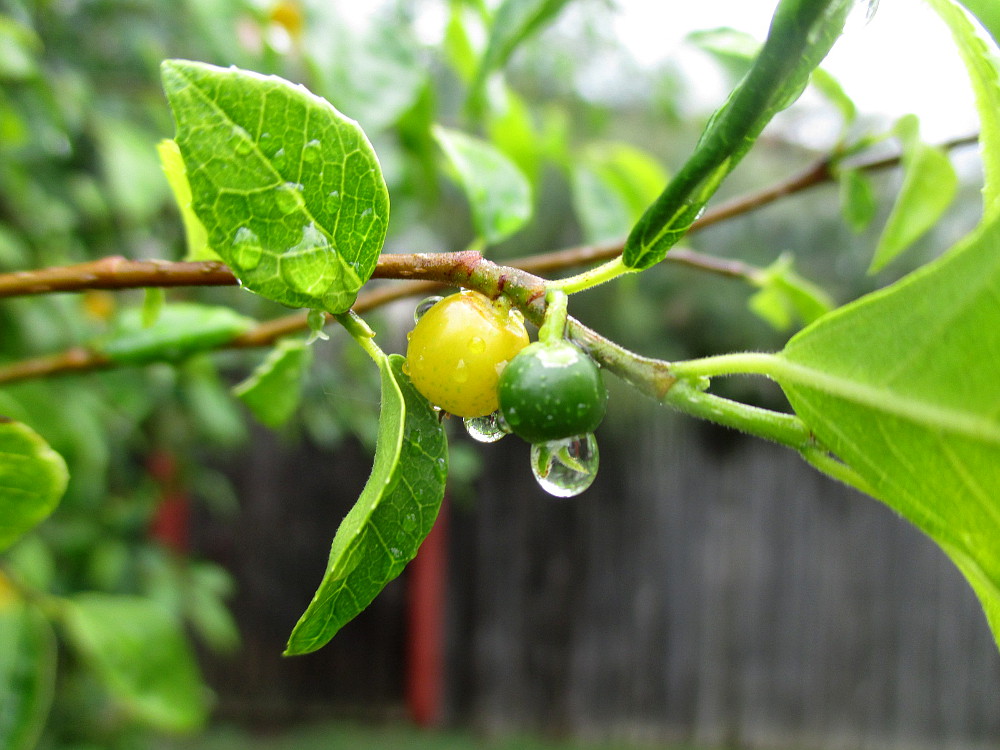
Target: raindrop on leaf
{"type": "Point", "coordinates": [246, 250]}
{"type": "Point", "coordinates": [565, 468]}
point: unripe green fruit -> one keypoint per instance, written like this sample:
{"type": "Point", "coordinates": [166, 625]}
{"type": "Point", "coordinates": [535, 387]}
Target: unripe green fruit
{"type": "Point", "coordinates": [552, 390]}
{"type": "Point", "coordinates": [458, 349]}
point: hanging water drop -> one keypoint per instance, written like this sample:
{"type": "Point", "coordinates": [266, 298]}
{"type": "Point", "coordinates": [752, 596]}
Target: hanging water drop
{"type": "Point", "coordinates": [486, 429]}
{"type": "Point", "coordinates": [860, 15]}
{"type": "Point", "coordinates": [565, 468]}
{"type": "Point", "coordinates": [423, 306]}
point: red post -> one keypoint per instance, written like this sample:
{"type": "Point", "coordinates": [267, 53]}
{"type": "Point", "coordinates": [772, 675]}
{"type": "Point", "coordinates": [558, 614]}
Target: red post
{"type": "Point", "coordinates": [426, 603]}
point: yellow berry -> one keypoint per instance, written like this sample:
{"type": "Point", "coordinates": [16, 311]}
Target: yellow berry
{"type": "Point", "coordinates": [458, 349]}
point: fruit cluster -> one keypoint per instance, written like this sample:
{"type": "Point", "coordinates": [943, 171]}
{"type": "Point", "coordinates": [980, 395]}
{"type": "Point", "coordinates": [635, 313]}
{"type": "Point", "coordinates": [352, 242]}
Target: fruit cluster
{"type": "Point", "coordinates": [470, 356]}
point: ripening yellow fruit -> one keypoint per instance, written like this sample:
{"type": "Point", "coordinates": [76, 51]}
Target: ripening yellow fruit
{"type": "Point", "coordinates": [458, 349]}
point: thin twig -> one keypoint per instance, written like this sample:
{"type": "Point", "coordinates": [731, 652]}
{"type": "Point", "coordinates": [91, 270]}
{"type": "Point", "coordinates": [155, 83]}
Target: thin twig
{"type": "Point", "coordinates": [433, 270]}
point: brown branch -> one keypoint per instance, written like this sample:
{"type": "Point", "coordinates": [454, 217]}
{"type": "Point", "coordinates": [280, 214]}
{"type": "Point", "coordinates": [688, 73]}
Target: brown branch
{"type": "Point", "coordinates": [433, 270]}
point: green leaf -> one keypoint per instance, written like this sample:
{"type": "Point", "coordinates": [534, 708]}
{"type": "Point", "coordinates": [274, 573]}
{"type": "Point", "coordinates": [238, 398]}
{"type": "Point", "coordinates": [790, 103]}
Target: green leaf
{"type": "Point", "coordinates": [988, 13]}
{"type": "Point", "coordinates": [274, 390]}
{"type": "Point", "coordinates": [612, 185]}
{"type": "Point", "coordinates": [834, 93]}
{"type": "Point", "coordinates": [33, 478]}
{"type": "Point", "coordinates": [289, 189]}
{"type": "Point", "coordinates": [396, 510]}
{"type": "Point", "coordinates": [140, 654]}
{"type": "Point", "coordinates": [733, 49]}
{"type": "Point", "coordinates": [194, 231]}
{"type": "Point", "coordinates": [513, 22]}
{"type": "Point", "coordinates": [180, 330]}
{"type": "Point", "coordinates": [802, 32]}
{"type": "Point", "coordinates": [27, 671]}
{"type": "Point", "coordinates": [984, 74]}
{"type": "Point", "coordinates": [929, 186]}
{"type": "Point", "coordinates": [498, 192]}
{"type": "Point", "coordinates": [902, 386]}
{"type": "Point", "coordinates": [857, 199]}
{"type": "Point", "coordinates": [785, 296]}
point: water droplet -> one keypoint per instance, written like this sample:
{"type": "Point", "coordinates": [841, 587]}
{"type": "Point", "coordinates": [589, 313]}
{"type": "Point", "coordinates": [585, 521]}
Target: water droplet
{"type": "Point", "coordinates": [278, 160]}
{"type": "Point", "coordinates": [396, 553]}
{"type": "Point", "coordinates": [565, 468]}
{"type": "Point", "coordinates": [288, 197]}
{"type": "Point", "coordinates": [477, 345]}
{"type": "Point", "coordinates": [487, 429]}
{"type": "Point", "coordinates": [311, 152]}
{"type": "Point", "coordinates": [461, 372]}
{"type": "Point", "coordinates": [410, 522]}
{"type": "Point", "coordinates": [860, 15]}
{"type": "Point", "coordinates": [406, 367]}
{"type": "Point", "coordinates": [423, 306]}
{"type": "Point", "coordinates": [308, 266]}
{"type": "Point", "coordinates": [246, 250]}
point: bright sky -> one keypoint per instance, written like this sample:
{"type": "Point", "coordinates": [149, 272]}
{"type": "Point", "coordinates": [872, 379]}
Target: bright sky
{"type": "Point", "coordinates": [902, 62]}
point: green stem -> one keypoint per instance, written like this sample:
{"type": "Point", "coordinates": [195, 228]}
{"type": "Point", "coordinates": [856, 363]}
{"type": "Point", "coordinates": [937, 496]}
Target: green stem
{"type": "Point", "coordinates": [554, 324]}
{"type": "Point", "coordinates": [739, 363]}
{"type": "Point", "coordinates": [361, 332]}
{"type": "Point", "coordinates": [594, 277]}
{"type": "Point", "coordinates": [778, 427]}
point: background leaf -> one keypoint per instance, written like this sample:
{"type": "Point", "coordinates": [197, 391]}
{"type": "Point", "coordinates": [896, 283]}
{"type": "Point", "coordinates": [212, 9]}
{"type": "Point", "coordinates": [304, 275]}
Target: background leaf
{"type": "Point", "coordinates": [902, 385]}
{"type": "Point", "coordinates": [498, 192]}
{"type": "Point", "coordinates": [988, 13]}
{"type": "Point", "coordinates": [802, 32]}
{"type": "Point", "coordinates": [929, 186]}
{"type": "Point", "coordinates": [140, 654]}
{"type": "Point", "coordinates": [394, 513]}
{"type": "Point", "coordinates": [33, 478]}
{"type": "Point", "coordinates": [513, 22]}
{"type": "Point", "coordinates": [984, 73]}
{"type": "Point", "coordinates": [274, 389]}
{"type": "Point", "coordinates": [180, 330]}
{"type": "Point", "coordinates": [27, 671]}
{"type": "Point", "coordinates": [289, 189]}
{"type": "Point", "coordinates": [857, 199]}
{"type": "Point", "coordinates": [194, 231]}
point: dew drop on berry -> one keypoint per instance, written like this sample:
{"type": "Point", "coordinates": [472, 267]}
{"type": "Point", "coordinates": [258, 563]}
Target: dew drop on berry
{"type": "Point", "coordinates": [424, 305]}
{"type": "Point", "coordinates": [487, 429]}
{"type": "Point", "coordinates": [565, 468]}
{"type": "Point", "coordinates": [477, 345]}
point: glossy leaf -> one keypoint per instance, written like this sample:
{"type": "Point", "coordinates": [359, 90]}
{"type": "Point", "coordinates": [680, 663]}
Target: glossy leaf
{"type": "Point", "coordinates": [27, 671]}
{"type": "Point", "coordinates": [984, 74]}
{"type": "Point", "coordinates": [140, 654]}
{"type": "Point", "coordinates": [498, 192]}
{"type": "Point", "coordinates": [181, 329]}
{"type": "Point", "coordinates": [274, 389]}
{"type": "Point", "coordinates": [802, 32]}
{"type": "Point", "coordinates": [33, 478]}
{"type": "Point", "coordinates": [394, 513]}
{"type": "Point", "coordinates": [289, 189]}
{"type": "Point", "coordinates": [902, 385]}
{"type": "Point", "coordinates": [929, 186]}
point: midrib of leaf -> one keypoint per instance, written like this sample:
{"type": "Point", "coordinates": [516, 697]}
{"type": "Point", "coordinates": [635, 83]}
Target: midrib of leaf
{"type": "Point", "coordinates": [885, 400]}
{"type": "Point", "coordinates": [279, 178]}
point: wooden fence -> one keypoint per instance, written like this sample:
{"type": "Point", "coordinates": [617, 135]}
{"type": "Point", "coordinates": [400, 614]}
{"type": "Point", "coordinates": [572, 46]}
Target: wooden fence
{"type": "Point", "coordinates": [707, 588]}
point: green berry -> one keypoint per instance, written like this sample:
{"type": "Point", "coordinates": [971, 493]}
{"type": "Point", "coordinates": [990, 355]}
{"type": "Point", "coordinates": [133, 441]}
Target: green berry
{"type": "Point", "coordinates": [552, 390]}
